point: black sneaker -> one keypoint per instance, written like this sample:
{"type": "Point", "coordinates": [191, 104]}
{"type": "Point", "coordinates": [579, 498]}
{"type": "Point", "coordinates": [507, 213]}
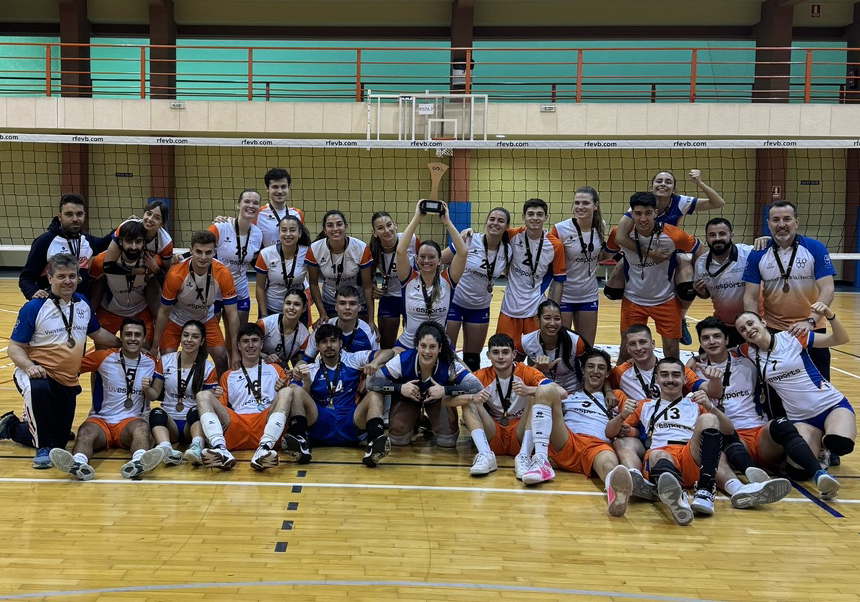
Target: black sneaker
{"type": "Point", "coordinates": [8, 423]}
{"type": "Point", "coordinates": [376, 450]}
{"type": "Point", "coordinates": [297, 447]}
{"type": "Point", "coordinates": [686, 337]}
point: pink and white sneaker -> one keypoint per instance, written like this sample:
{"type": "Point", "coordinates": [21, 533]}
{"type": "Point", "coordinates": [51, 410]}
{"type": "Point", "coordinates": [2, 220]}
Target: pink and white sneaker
{"type": "Point", "coordinates": [539, 472]}
{"type": "Point", "coordinates": [619, 488]}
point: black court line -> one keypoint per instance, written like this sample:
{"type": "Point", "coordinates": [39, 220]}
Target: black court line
{"type": "Point", "coordinates": [281, 546]}
{"type": "Point", "coordinates": [845, 352]}
{"type": "Point", "coordinates": [293, 506]}
{"type": "Point", "coordinates": [287, 525]}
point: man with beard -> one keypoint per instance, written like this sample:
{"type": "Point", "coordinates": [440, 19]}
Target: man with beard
{"type": "Point", "coordinates": [118, 289]}
{"type": "Point", "coordinates": [719, 274]}
{"type": "Point", "coordinates": [64, 235]}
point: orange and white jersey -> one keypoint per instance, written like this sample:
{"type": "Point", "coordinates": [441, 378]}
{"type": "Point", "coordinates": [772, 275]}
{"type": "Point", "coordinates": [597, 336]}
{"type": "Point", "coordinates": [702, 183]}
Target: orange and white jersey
{"type": "Point", "coordinates": [268, 219]}
{"type": "Point", "coordinates": [531, 271]}
{"type": "Point", "coordinates": [388, 269]}
{"type": "Point", "coordinates": [636, 382]}
{"type": "Point", "coordinates": [788, 369]}
{"type": "Point", "coordinates": [238, 391]}
{"type": "Point", "coordinates": [111, 383]}
{"type": "Point", "coordinates": [281, 274]}
{"type": "Point", "coordinates": [738, 401]}
{"type": "Point", "coordinates": [649, 283]}
{"type": "Point", "coordinates": [286, 346]}
{"type": "Point", "coordinates": [339, 269]}
{"type": "Point", "coordinates": [161, 246]}
{"type": "Point", "coordinates": [237, 252]}
{"type": "Point", "coordinates": [525, 374]}
{"type": "Point", "coordinates": [124, 295]}
{"type": "Point", "coordinates": [169, 375]}
{"type": "Point", "coordinates": [569, 377]}
{"type": "Point", "coordinates": [471, 291]}
{"type": "Point", "coordinates": [585, 416]}
{"type": "Point", "coordinates": [416, 307]}
{"type": "Point", "coordinates": [193, 296]}
{"type": "Point", "coordinates": [580, 257]}
{"type": "Point", "coordinates": [673, 423]}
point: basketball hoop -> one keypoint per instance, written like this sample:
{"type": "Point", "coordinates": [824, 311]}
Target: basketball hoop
{"type": "Point", "coordinates": [443, 152]}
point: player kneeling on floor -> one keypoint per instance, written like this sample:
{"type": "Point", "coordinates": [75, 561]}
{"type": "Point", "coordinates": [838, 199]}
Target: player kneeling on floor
{"type": "Point", "coordinates": [325, 408]}
{"type": "Point", "coordinates": [121, 394]}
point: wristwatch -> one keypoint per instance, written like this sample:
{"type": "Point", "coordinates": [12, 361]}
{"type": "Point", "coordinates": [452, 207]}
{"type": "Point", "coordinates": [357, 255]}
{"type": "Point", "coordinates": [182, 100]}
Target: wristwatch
{"type": "Point", "coordinates": [811, 321]}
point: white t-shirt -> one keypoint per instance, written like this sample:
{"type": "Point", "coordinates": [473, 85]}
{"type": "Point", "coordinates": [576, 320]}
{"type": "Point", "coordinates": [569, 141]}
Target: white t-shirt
{"type": "Point", "coordinates": [280, 274]}
{"type": "Point", "coordinates": [725, 282]}
{"type": "Point", "coordinates": [471, 291]}
{"type": "Point", "coordinates": [530, 272]}
{"type": "Point", "coordinates": [580, 258]}
{"type": "Point", "coordinates": [237, 255]}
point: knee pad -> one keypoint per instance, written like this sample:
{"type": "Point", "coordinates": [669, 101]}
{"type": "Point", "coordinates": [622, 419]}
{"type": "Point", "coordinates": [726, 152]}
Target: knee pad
{"type": "Point", "coordinates": [472, 361]}
{"type": "Point", "coordinates": [685, 291]}
{"type": "Point", "coordinates": [192, 416]}
{"type": "Point", "coordinates": [796, 473]}
{"type": "Point", "coordinates": [841, 446]}
{"type": "Point", "coordinates": [782, 430]}
{"type": "Point", "coordinates": [612, 293]}
{"type": "Point", "coordinates": [400, 439]}
{"type": "Point", "coordinates": [158, 417]}
{"type": "Point", "coordinates": [663, 466]}
{"type": "Point", "coordinates": [446, 441]}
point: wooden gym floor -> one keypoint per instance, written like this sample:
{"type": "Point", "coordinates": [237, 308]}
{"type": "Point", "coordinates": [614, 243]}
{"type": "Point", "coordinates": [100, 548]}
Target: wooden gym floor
{"type": "Point", "coordinates": [416, 528]}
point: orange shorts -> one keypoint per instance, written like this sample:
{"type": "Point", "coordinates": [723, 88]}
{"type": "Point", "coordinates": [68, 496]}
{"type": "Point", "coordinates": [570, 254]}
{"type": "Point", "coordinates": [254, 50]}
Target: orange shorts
{"type": "Point", "coordinates": [245, 430]}
{"type": "Point", "coordinates": [579, 452]}
{"type": "Point", "coordinates": [666, 316]}
{"type": "Point", "coordinates": [505, 442]}
{"type": "Point", "coordinates": [111, 322]}
{"type": "Point", "coordinates": [516, 328]}
{"type": "Point", "coordinates": [170, 338]}
{"type": "Point", "coordinates": [683, 461]}
{"type": "Point", "coordinates": [751, 438]}
{"type": "Point", "coordinates": [112, 431]}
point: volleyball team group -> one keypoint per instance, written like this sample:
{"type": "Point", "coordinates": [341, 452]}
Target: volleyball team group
{"type": "Point", "coordinates": [374, 366]}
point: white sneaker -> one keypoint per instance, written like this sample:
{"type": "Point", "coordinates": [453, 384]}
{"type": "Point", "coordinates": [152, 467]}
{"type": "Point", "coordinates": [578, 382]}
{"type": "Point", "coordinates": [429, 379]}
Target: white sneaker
{"type": "Point", "coordinates": [484, 463]}
{"type": "Point", "coordinates": [540, 471]}
{"type": "Point", "coordinates": [760, 493]}
{"type": "Point", "coordinates": [703, 502]}
{"type": "Point", "coordinates": [194, 455]}
{"type": "Point", "coordinates": [172, 457]}
{"type": "Point", "coordinates": [149, 460]}
{"type": "Point", "coordinates": [521, 465]}
{"type": "Point", "coordinates": [828, 486]}
{"type": "Point", "coordinates": [264, 458]}
{"type": "Point", "coordinates": [218, 457]}
{"type": "Point", "coordinates": [672, 494]}
{"type": "Point", "coordinates": [64, 461]}
{"type": "Point", "coordinates": [619, 490]}
{"type": "Point", "coordinates": [756, 475]}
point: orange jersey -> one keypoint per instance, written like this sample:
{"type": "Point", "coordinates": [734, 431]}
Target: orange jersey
{"type": "Point", "coordinates": [193, 296]}
{"type": "Point", "coordinates": [624, 377]}
{"type": "Point", "coordinates": [529, 376]}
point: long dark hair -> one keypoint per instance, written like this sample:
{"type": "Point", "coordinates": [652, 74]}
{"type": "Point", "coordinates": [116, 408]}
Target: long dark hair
{"type": "Point", "coordinates": [376, 250]}
{"type": "Point", "coordinates": [505, 238]}
{"type": "Point", "coordinates": [200, 360]}
{"type": "Point", "coordinates": [597, 217]}
{"type": "Point", "coordinates": [162, 207]}
{"type": "Point", "coordinates": [563, 344]}
{"type": "Point", "coordinates": [327, 215]}
{"type": "Point", "coordinates": [304, 236]}
{"type": "Point", "coordinates": [447, 355]}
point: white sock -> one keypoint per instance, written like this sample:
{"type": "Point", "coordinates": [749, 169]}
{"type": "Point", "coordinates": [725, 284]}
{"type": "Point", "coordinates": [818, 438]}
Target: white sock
{"type": "Point", "coordinates": [136, 456]}
{"type": "Point", "coordinates": [198, 442]}
{"type": "Point", "coordinates": [166, 445]}
{"type": "Point", "coordinates": [541, 427]}
{"type": "Point", "coordinates": [732, 486]}
{"type": "Point", "coordinates": [479, 438]}
{"type": "Point", "coordinates": [212, 429]}
{"type": "Point", "coordinates": [528, 443]}
{"type": "Point", "coordinates": [81, 458]}
{"type": "Point", "coordinates": [275, 426]}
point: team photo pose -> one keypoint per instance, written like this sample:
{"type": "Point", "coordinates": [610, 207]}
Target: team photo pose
{"type": "Point", "coordinates": [554, 349]}
{"type": "Point", "coordinates": [285, 338]}
{"type": "Point", "coordinates": [356, 334]}
{"type": "Point", "coordinates": [268, 220]}
{"type": "Point", "coordinates": [281, 266]}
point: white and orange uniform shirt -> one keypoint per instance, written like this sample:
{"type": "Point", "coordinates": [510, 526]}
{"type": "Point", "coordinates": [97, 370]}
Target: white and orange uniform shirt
{"type": "Point", "coordinates": [471, 291]}
{"type": "Point", "coordinates": [388, 269]}
{"type": "Point", "coordinates": [417, 310]}
{"type": "Point", "coordinates": [268, 218]}
{"type": "Point", "coordinates": [237, 252]}
{"type": "Point", "coordinates": [41, 328]}
{"type": "Point", "coordinates": [529, 279]}
{"type": "Point", "coordinates": [238, 391]}
{"type": "Point", "coordinates": [580, 257]}
{"type": "Point", "coordinates": [649, 283]}
{"type": "Point", "coordinates": [562, 374]}
{"type": "Point", "coordinates": [811, 263]}
{"type": "Point", "coordinates": [788, 369]}
{"type": "Point", "coordinates": [124, 295]}
{"type": "Point", "coordinates": [280, 274]}
{"type": "Point", "coordinates": [725, 282]}
{"type": "Point", "coordinates": [673, 423]}
{"type": "Point", "coordinates": [111, 383]}
{"type": "Point", "coordinates": [193, 296]}
{"type": "Point", "coordinates": [517, 404]}
{"type": "Point", "coordinates": [338, 269]}
{"type": "Point", "coordinates": [636, 382]}
{"type": "Point", "coordinates": [161, 246]}
{"type": "Point", "coordinates": [583, 416]}
{"type": "Point", "coordinates": [170, 376]}
{"type": "Point", "coordinates": [738, 402]}
{"type": "Point", "coordinates": [286, 346]}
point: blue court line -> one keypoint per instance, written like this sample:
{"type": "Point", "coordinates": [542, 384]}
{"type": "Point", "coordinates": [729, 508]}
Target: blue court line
{"type": "Point", "coordinates": [409, 584]}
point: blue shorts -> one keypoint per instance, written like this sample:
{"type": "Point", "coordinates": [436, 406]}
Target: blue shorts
{"type": "Point", "coordinates": [818, 421]}
{"type": "Point", "coordinates": [389, 307]}
{"type": "Point", "coordinates": [241, 305]}
{"type": "Point", "coordinates": [180, 426]}
{"type": "Point", "coordinates": [574, 307]}
{"type": "Point", "coordinates": [458, 313]}
{"type": "Point", "coordinates": [334, 427]}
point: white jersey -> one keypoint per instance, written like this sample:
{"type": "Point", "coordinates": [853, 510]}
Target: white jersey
{"type": "Point", "coordinates": [471, 291]}
{"type": "Point", "coordinates": [788, 369]}
{"type": "Point", "coordinates": [280, 274]}
{"type": "Point", "coordinates": [286, 346]}
{"type": "Point", "coordinates": [168, 374]}
{"type": "Point", "coordinates": [113, 380]}
{"type": "Point", "coordinates": [503, 387]}
{"type": "Point", "coordinates": [338, 269]}
{"type": "Point", "coordinates": [252, 394]}
{"type": "Point", "coordinates": [580, 258]}
{"type": "Point", "coordinates": [360, 338]}
{"type": "Point", "coordinates": [417, 308]}
{"type": "Point", "coordinates": [534, 264]}
{"type": "Point", "coordinates": [237, 252]}
{"type": "Point", "coordinates": [673, 423]}
{"type": "Point", "coordinates": [739, 383]}
{"type": "Point", "coordinates": [583, 416]}
{"type": "Point", "coordinates": [637, 383]}
{"type": "Point", "coordinates": [160, 245]}
{"type": "Point", "coordinates": [268, 219]}
{"type": "Point", "coordinates": [388, 269]}
{"type": "Point", "coordinates": [125, 295]}
{"type": "Point", "coordinates": [725, 282]}
{"type": "Point", "coordinates": [569, 379]}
